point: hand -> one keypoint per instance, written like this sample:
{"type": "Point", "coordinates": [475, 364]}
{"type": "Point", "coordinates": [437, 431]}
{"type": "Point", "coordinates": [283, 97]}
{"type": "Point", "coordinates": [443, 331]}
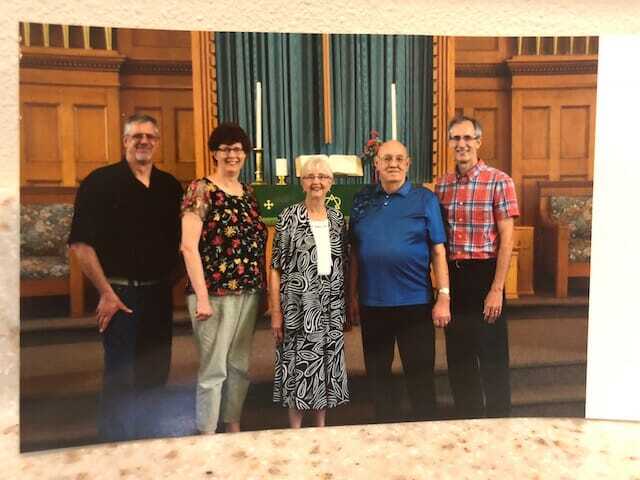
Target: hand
{"type": "Point", "coordinates": [441, 313]}
{"type": "Point", "coordinates": [107, 307]}
{"type": "Point", "coordinates": [203, 309]}
{"type": "Point", "coordinates": [492, 305]}
{"type": "Point", "coordinates": [353, 314]}
{"type": "Point", "coordinates": [347, 325]}
{"type": "Point", "coordinates": [276, 326]}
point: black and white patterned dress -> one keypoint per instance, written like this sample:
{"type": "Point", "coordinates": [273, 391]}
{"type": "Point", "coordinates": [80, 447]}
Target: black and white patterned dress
{"type": "Point", "coordinates": [310, 371]}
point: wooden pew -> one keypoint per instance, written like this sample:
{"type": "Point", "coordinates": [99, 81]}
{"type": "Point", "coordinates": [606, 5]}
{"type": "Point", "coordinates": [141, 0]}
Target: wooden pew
{"type": "Point", "coordinates": [554, 232]}
{"type": "Point", "coordinates": [44, 220]}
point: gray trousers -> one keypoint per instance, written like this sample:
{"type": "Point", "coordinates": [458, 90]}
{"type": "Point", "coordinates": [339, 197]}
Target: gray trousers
{"type": "Point", "coordinates": [224, 344]}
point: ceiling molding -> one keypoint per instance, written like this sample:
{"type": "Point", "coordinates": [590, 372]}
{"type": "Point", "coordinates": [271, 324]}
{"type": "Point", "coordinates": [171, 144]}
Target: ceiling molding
{"type": "Point", "coordinates": [156, 67]}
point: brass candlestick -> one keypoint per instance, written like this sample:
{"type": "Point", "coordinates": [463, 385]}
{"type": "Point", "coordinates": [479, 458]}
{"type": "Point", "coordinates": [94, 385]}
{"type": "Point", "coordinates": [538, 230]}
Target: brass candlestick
{"type": "Point", "coordinates": [282, 180]}
{"type": "Point", "coordinates": [259, 179]}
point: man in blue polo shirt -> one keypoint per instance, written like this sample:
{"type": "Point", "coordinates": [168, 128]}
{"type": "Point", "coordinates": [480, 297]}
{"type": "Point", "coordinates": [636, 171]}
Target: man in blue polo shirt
{"type": "Point", "coordinates": [396, 233]}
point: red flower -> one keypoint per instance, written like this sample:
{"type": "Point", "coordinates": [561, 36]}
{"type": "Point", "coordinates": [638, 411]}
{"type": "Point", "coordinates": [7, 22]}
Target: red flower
{"type": "Point", "coordinates": [235, 242]}
{"type": "Point", "coordinates": [217, 276]}
{"type": "Point", "coordinates": [217, 240]}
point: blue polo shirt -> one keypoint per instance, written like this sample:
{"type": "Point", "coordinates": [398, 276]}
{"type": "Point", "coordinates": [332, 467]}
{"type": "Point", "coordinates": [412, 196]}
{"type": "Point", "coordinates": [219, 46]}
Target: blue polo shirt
{"type": "Point", "coordinates": [393, 235]}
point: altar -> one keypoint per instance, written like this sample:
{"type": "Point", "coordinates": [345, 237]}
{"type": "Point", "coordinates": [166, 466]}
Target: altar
{"type": "Point", "coordinates": [272, 199]}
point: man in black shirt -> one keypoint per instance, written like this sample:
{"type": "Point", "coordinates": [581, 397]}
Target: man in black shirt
{"type": "Point", "coordinates": [125, 235]}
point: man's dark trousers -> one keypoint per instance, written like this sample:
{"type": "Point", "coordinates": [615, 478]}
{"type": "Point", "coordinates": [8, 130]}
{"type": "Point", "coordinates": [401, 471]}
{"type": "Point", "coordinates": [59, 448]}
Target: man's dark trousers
{"type": "Point", "coordinates": [477, 351]}
{"type": "Point", "coordinates": [137, 358]}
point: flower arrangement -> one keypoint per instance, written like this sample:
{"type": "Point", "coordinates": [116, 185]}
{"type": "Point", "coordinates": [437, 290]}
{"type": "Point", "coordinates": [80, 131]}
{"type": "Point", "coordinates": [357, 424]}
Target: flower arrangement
{"type": "Point", "coordinates": [369, 152]}
{"type": "Point", "coordinates": [372, 145]}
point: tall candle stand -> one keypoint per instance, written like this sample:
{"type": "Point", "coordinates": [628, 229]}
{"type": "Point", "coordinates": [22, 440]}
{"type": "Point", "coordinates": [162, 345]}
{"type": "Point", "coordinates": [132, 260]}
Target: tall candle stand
{"type": "Point", "coordinates": [259, 179]}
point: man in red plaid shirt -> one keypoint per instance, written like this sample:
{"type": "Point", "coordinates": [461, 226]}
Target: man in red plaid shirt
{"type": "Point", "coordinates": [480, 205]}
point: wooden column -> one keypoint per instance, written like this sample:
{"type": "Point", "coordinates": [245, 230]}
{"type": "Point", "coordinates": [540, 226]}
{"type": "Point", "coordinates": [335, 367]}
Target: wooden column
{"type": "Point", "coordinates": [205, 101]}
{"type": "Point", "coordinates": [444, 68]}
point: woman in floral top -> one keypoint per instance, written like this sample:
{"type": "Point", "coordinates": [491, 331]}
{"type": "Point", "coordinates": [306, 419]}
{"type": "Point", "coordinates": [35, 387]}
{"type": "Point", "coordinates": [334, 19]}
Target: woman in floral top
{"type": "Point", "coordinates": [223, 243]}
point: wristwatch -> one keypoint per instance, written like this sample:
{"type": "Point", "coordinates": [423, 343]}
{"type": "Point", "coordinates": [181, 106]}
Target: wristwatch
{"type": "Point", "coordinates": [444, 291]}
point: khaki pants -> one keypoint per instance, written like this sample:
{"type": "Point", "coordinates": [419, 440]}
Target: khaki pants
{"type": "Point", "coordinates": [224, 345]}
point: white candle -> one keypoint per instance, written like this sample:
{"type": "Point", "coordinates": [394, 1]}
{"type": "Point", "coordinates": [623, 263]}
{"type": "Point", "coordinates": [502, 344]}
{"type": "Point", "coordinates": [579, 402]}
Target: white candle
{"type": "Point", "coordinates": [258, 115]}
{"type": "Point", "coordinates": [281, 167]}
{"type": "Point", "coordinates": [394, 113]}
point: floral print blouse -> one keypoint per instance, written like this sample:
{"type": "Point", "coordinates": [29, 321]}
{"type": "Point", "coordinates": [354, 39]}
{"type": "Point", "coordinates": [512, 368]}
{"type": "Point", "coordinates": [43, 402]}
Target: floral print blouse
{"type": "Point", "coordinates": [233, 239]}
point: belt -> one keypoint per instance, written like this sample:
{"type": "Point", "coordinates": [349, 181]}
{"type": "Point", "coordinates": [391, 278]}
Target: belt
{"type": "Point", "coordinates": [132, 283]}
{"type": "Point", "coordinates": [471, 261]}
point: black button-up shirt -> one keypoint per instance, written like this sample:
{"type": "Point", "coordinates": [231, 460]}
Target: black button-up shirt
{"type": "Point", "coordinates": [134, 230]}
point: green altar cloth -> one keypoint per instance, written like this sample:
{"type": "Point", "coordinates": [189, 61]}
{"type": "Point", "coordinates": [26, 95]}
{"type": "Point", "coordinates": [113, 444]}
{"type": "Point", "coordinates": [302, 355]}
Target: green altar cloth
{"type": "Point", "coordinates": [273, 199]}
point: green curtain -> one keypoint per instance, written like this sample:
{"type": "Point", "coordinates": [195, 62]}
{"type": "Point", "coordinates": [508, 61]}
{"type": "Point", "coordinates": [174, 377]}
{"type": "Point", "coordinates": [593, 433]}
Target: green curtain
{"type": "Point", "coordinates": [290, 69]}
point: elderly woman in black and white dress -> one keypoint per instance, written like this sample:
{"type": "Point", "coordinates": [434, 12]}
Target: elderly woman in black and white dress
{"type": "Point", "coordinates": [308, 301]}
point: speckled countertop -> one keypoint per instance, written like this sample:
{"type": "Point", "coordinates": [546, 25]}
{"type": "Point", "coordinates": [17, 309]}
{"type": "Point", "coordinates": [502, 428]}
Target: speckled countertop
{"type": "Point", "coordinates": [506, 448]}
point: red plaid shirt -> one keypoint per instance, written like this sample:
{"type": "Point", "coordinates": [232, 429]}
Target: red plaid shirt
{"type": "Point", "coordinates": [473, 204]}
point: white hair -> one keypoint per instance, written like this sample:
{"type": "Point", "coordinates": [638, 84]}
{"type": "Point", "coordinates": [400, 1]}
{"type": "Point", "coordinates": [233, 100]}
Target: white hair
{"type": "Point", "coordinates": [318, 162]}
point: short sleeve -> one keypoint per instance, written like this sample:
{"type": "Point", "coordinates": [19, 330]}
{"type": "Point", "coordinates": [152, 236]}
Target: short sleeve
{"type": "Point", "coordinates": [197, 199]}
{"type": "Point", "coordinates": [435, 225]}
{"type": "Point", "coordinates": [505, 200]}
{"type": "Point", "coordinates": [86, 212]}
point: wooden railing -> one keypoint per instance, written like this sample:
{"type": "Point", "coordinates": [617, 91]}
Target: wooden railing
{"type": "Point", "coordinates": [65, 36]}
{"type": "Point", "coordinates": [557, 45]}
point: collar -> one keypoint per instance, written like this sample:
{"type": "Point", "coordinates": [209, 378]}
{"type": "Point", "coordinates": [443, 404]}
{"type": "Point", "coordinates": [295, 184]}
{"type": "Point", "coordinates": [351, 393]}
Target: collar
{"type": "Point", "coordinates": [303, 214]}
{"type": "Point", "coordinates": [127, 168]}
{"type": "Point", "coordinates": [473, 171]}
{"type": "Point", "coordinates": [403, 191]}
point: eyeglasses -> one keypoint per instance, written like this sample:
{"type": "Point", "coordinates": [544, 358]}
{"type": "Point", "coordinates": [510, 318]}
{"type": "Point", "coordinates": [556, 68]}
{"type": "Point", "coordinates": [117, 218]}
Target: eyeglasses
{"type": "Point", "coordinates": [321, 177]}
{"type": "Point", "coordinates": [227, 150]}
{"type": "Point", "coordinates": [466, 138]}
{"type": "Point", "coordinates": [389, 158]}
{"type": "Point", "coordinates": [139, 136]}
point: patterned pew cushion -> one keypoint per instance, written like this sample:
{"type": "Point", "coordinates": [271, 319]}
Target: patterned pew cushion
{"type": "Point", "coordinates": [43, 240]}
{"type": "Point", "coordinates": [37, 268]}
{"type": "Point", "coordinates": [576, 213]}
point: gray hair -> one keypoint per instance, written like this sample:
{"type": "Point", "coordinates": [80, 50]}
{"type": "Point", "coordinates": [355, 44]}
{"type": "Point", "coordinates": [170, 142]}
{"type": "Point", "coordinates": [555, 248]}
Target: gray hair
{"type": "Point", "coordinates": [138, 118]}
{"type": "Point", "coordinates": [315, 162]}
{"type": "Point", "coordinates": [463, 118]}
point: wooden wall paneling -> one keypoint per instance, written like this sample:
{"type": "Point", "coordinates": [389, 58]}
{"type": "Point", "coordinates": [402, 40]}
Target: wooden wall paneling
{"type": "Point", "coordinates": [516, 151]}
{"type": "Point", "coordinates": [83, 85]}
{"type": "Point", "coordinates": [574, 140]}
{"type": "Point", "coordinates": [41, 131]}
{"type": "Point", "coordinates": [154, 44]}
{"type": "Point", "coordinates": [114, 126]}
{"type": "Point", "coordinates": [538, 138]}
{"type": "Point", "coordinates": [185, 160]}
{"type": "Point", "coordinates": [553, 139]}
{"type": "Point", "coordinates": [539, 148]}
{"type": "Point", "coordinates": [94, 131]}
{"type": "Point", "coordinates": [484, 49]}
